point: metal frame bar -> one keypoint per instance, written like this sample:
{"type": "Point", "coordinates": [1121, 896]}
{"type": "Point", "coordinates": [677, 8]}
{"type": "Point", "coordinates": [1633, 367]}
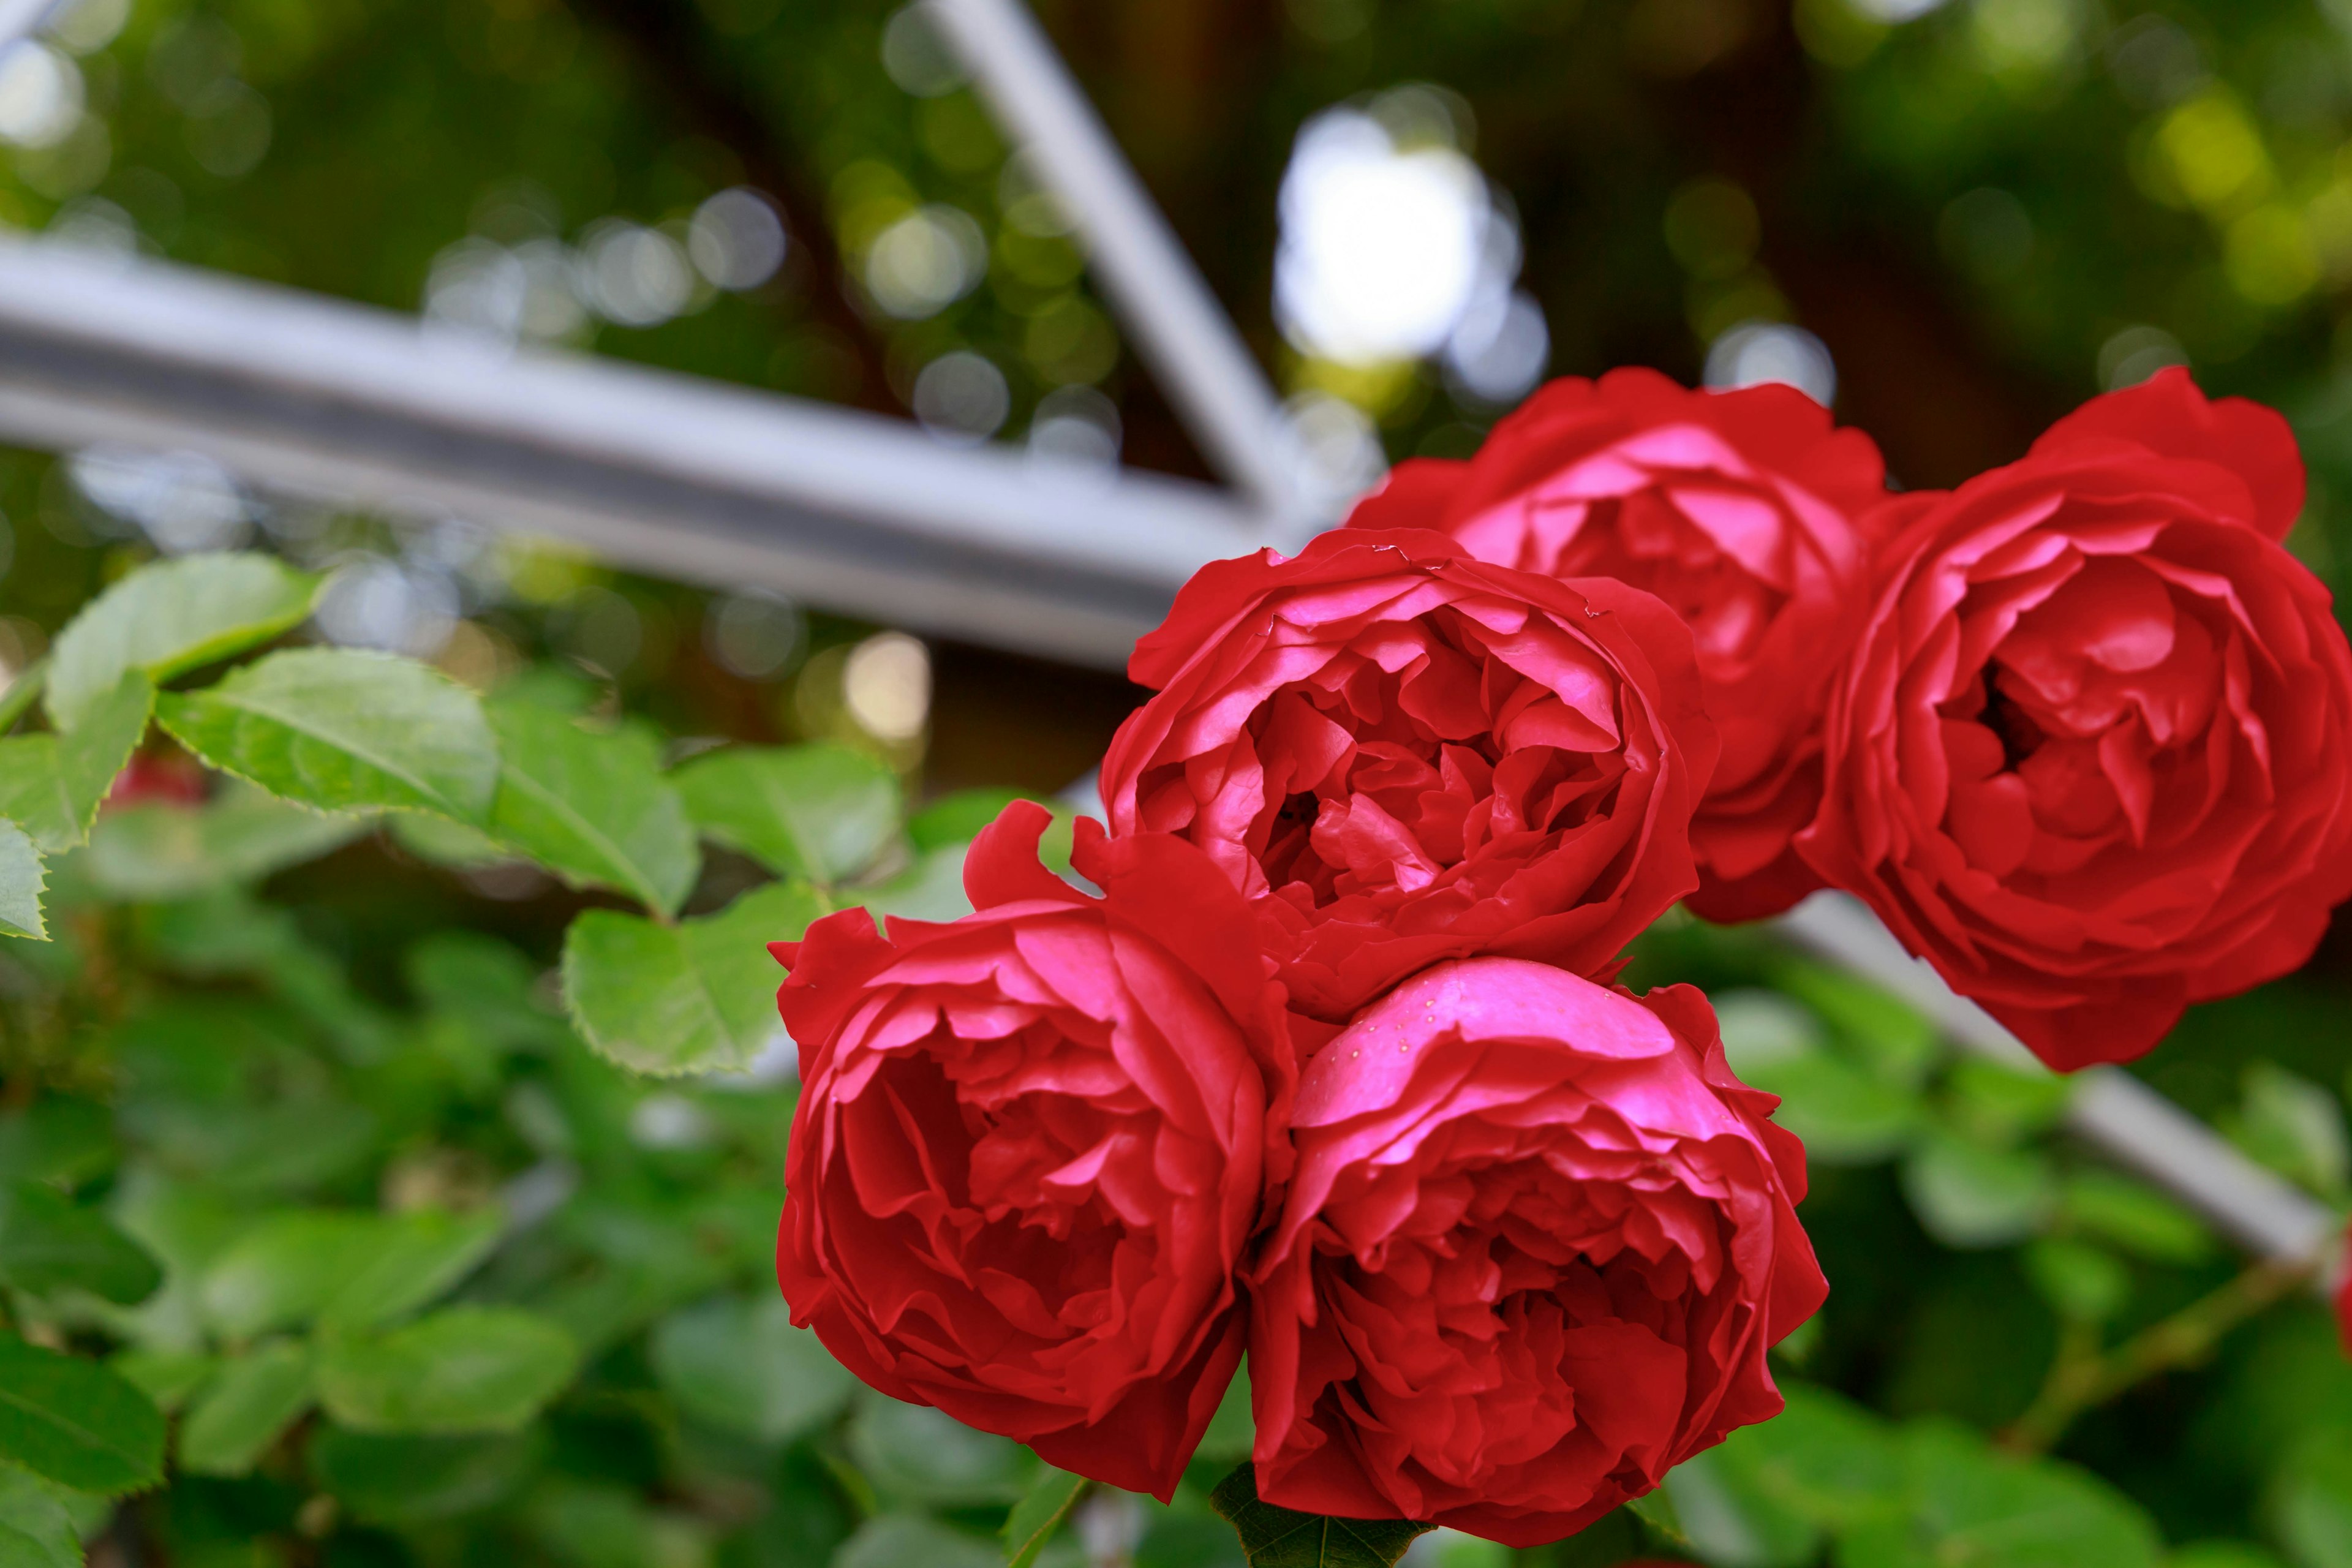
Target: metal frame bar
{"type": "Point", "coordinates": [2109, 1108]}
{"type": "Point", "coordinates": [668, 473]}
{"type": "Point", "coordinates": [1178, 325]}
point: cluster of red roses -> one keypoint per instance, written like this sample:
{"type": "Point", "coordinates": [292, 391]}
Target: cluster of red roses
{"type": "Point", "coordinates": [1330, 1070]}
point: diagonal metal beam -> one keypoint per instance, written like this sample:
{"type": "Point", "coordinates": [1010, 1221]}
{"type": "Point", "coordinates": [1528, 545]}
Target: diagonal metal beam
{"type": "Point", "coordinates": [1183, 333]}
{"type": "Point", "coordinates": [2109, 1108]}
{"type": "Point", "coordinates": [675, 475]}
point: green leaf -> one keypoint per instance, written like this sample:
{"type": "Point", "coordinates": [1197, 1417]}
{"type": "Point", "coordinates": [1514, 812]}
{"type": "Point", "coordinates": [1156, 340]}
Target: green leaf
{"type": "Point", "coordinates": [1282, 1538]}
{"type": "Point", "coordinates": [437, 841]}
{"type": "Point", "coordinates": [594, 808]}
{"type": "Point", "coordinates": [153, 854]}
{"type": "Point", "coordinates": [699, 996]}
{"type": "Point", "coordinates": [928, 1455]}
{"type": "Point", "coordinates": [2309, 1501]}
{"type": "Point", "coordinates": [2086, 1283]}
{"type": "Point", "coordinates": [2135, 1217]}
{"type": "Point", "coordinates": [742, 1367]}
{"type": "Point", "coordinates": [1232, 1430]}
{"type": "Point", "coordinates": [404, 1480]}
{"type": "Point", "coordinates": [413, 1260]}
{"type": "Point", "coordinates": [166, 1376]}
{"type": "Point", "coordinates": [467, 1369]}
{"type": "Point", "coordinates": [1972, 1506]}
{"type": "Point", "coordinates": [21, 881]}
{"type": "Point", "coordinates": [1821, 1459]}
{"type": "Point", "coordinates": [821, 812]}
{"type": "Point", "coordinates": [1733, 1522]}
{"type": "Point", "coordinates": [1971, 1194]}
{"type": "Point", "coordinates": [345, 730]}
{"type": "Point", "coordinates": [76, 1422]}
{"type": "Point", "coordinates": [48, 1243]}
{"type": "Point", "coordinates": [905, 1541]}
{"type": "Point", "coordinates": [249, 1402]}
{"type": "Point", "coordinates": [282, 1271]}
{"type": "Point", "coordinates": [1039, 1513]}
{"type": "Point", "coordinates": [1843, 1115]}
{"type": "Point", "coordinates": [930, 889]}
{"type": "Point", "coordinates": [35, 1528]}
{"type": "Point", "coordinates": [958, 818]}
{"type": "Point", "coordinates": [169, 617]}
{"type": "Point", "coordinates": [52, 785]}
{"type": "Point", "coordinates": [2295, 1127]}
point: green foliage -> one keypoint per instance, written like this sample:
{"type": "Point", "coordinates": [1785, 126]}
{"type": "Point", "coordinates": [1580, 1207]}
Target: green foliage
{"type": "Point", "coordinates": [823, 812]}
{"type": "Point", "coordinates": [150, 853]}
{"type": "Point", "coordinates": [1282, 1538]}
{"type": "Point", "coordinates": [741, 1367]}
{"type": "Point", "coordinates": [22, 878]}
{"type": "Point", "coordinates": [75, 1422]}
{"type": "Point", "coordinates": [48, 1243]}
{"type": "Point", "coordinates": [340, 729]}
{"type": "Point", "coordinates": [696, 997]}
{"type": "Point", "coordinates": [35, 1530]}
{"type": "Point", "coordinates": [1030, 1527]}
{"type": "Point", "coordinates": [171, 617]}
{"type": "Point", "coordinates": [594, 808]}
{"type": "Point", "coordinates": [51, 784]}
{"type": "Point", "coordinates": [466, 1369]}
{"type": "Point", "coordinates": [244, 1408]}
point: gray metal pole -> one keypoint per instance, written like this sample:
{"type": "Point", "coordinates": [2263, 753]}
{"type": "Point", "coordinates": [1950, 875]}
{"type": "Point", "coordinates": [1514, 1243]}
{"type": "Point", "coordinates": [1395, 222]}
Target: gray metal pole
{"type": "Point", "coordinates": [671, 474]}
{"type": "Point", "coordinates": [1179, 328]}
{"type": "Point", "coordinates": [2110, 1110]}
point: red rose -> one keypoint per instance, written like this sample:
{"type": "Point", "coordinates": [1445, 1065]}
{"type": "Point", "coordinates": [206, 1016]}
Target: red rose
{"type": "Point", "coordinates": [1745, 511]}
{"type": "Point", "coordinates": [1031, 1145]}
{"type": "Point", "coordinates": [2090, 756]}
{"type": "Point", "coordinates": [1401, 754]}
{"type": "Point", "coordinates": [1534, 1247]}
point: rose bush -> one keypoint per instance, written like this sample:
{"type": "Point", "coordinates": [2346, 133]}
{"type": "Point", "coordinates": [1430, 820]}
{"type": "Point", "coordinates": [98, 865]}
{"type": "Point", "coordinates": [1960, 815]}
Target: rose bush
{"type": "Point", "coordinates": [1536, 1242]}
{"type": "Point", "coordinates": [2090, 755]}
{"type": "Point", "coordinates": [1748, 512]}
{"type": "Point", "coordinates": [1030, 1144]}
{"type": "Point", "coordinates": [1401, 754]}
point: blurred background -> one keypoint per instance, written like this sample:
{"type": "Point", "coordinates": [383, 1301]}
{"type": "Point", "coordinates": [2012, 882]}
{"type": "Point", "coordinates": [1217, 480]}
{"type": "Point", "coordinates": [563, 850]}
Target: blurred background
{"type": "Point", "coordinates": [1951, 220]}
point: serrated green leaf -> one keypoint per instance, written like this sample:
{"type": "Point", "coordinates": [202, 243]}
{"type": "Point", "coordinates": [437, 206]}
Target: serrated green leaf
{"type": "Point", "coordinates": [696, 997]}
{"type": "Point", "coordinates": [467, 1369]}
{"type": "Point", "coordinates": [345, 730]}
{"type": "Point", "coordinates": [169, 617]}
{"type": "Point", "coordinates": [404, 1481]}
{"type": "Point", "coordinates": [1282, 1538]}
{"type": "Point", "coordinates": [1034, 1520]}
{"type": "Point", "coordinates": [741, 1367]}
{"type": "Point", "coordinates": [592, 808]}
{"type": "Point", "coordinates": [49, 1243]}
{"type": "Point", "coordinates": [414, 1259]}
{"type": "Point", "coordinates": [35, 1528]}
{"type": "Point", "coordinates": [251, 1400]}
{"type": "Point", "coordinates": [22, 878]}
{"type": "Point", "coordinates": [153, 854]}
{"type": "Point", "coordinates": [52, 785]}
{"type": "Point", "coordinates": [821, 812]}
{"type": "Point", "coordinates": [76, 1422]}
